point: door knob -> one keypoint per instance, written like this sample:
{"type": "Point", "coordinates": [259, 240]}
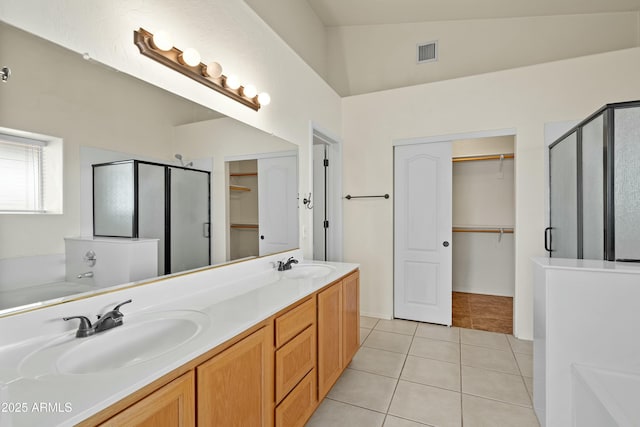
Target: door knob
{"type": "Point", "coordinates": [445, 243]}
{"type": "Point", "coordinates": [261, 237]}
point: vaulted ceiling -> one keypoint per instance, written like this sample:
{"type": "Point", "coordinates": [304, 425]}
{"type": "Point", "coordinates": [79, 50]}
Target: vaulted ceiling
{"type": "Point", "coordinates": [371, 12]}
{"type": "Point", "coordinates": [361, 46]}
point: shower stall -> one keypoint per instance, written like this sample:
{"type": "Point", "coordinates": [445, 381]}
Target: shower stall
{"type": "Point", "coordinates": [595, 187]}
{"type": "Point", "coordinates": [138, 199]}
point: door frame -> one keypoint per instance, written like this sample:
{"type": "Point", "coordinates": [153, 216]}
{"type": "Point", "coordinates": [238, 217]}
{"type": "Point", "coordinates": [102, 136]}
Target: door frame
{"type": "Point", "coordinates": [334, 190]}
{"type": "Point", "coordinates": [451, 138]}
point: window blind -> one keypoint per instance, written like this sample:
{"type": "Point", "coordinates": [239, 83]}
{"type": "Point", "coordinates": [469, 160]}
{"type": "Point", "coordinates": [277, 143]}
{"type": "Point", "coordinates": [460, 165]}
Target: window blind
{"type": "Point", "coordinates": [20, 174]}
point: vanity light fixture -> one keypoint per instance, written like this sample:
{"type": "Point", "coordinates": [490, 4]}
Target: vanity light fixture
{"type": "Point", "coordinates": [159, 47]}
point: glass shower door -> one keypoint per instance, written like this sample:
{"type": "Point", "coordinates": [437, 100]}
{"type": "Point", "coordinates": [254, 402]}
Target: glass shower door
{"type": "Point", "coordinates": [627, 183]}
{"type": "Point", "coordinates": [593, 210]}
{"type": "Point", "coordinates": [564, 198]}
{"type": "Point", "coordinates": [189, 198]}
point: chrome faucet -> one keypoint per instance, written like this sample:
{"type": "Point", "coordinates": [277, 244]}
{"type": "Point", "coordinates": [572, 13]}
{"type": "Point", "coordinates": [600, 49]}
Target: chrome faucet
{"type": "Point", "coordinates": [87, 274]}
{"type": "Point", "coordinates": [110, 319]}
{"type": "Point", "coordinates": [282, 266]}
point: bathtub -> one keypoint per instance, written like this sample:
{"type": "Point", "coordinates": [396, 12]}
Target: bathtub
{"type": "Point", "coordinates": [604, 397]}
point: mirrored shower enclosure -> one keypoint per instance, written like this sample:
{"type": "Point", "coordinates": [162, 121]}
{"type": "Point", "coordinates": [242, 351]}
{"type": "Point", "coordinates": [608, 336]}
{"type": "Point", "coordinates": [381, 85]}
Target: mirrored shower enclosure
{"type": "Point", "coordinates": [595, 187]}
{"type": "Point", "coordinates": [136, 199]}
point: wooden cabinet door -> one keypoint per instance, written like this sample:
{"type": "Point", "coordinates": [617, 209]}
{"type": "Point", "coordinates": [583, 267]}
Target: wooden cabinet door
{"type": "Point", "coordinates": [329, 338]}
{"type": "Point", "coordinates": [235, 388]}
{"type": "Point", "coordinates": [350, 316]}
{"type": "Point", "coordinates": [170, 406]}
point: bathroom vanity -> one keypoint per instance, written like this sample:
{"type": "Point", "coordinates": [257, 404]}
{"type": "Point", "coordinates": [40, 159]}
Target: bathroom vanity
{"type": "Point", "coordinates": [241, 344]}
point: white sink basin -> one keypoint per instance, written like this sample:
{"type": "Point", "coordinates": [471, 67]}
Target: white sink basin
{"type": "Point", "coordinates": [139, 339]}
{"type": "Point", "coordinates": [308, 271]}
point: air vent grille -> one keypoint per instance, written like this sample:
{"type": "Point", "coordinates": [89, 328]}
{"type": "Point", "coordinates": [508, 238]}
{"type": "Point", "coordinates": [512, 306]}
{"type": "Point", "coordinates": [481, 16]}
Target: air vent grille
{"type": "Point", "coordinates": [427, 52]}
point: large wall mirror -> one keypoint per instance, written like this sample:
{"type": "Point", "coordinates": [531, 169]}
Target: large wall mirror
{"type": "Point", "coordinates": [94, 115]}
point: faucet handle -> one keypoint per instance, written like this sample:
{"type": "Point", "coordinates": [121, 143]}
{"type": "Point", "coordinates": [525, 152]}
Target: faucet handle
{"type": "Point", "coordinates": [117, 307]}
{"type": "Point", "coordinates": [85, 329]}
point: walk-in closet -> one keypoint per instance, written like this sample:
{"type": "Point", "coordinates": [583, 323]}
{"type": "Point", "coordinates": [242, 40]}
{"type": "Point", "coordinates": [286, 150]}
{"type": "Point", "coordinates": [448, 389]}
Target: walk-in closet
{"type": "Point", "coordinates": [483, 272]}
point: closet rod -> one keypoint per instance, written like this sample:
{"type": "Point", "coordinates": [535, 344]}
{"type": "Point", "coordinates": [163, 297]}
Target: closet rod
{"type": "Point", "coordinates": [482, 230]}
{"type": "Point", "coordinates": [489, 157]}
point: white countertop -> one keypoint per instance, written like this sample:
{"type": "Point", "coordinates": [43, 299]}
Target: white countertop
{"type": "Point", "coordinates": [232, 304]}
{"type": "Point", "coordinates": [588, 264]}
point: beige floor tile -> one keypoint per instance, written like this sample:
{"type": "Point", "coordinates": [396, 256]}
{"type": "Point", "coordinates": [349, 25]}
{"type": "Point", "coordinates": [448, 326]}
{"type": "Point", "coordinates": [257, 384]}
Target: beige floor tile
{"type": "Point", "coordinates": [435, 349]}
{"type": "Point", "coordinates": [363, 389]}
{"type": "Point", "coordinates": [392, 421]}
{"type": "Point", "coordinates": [495, 385]}
{"type": "Point", "coordinates": [397, 326]}
{"type": "Point", "coordinates": [379, 362]}
{"type": "Point", "coordinates": [484, 339]}
{"type": "Point", "coordinates": [525, 363]}
{"type": "Point", "coordinates": [368, 322]}
{"type": "Point", "coordinates": [438, 332]}
{"type": "Point", "coordinates": [364, 333]}
{"type": "Point", "coordinates": [425, 404]}
{"type": "Point", "coordinates": [338, 414]}
{"type": "Point", "coordinates": [388, 341]}
{"type": "Point", "coordinates": [528, 382]}
{"type": "Point", "coordinates": [520, 346]}
{"type": "Point", "coordinates": [432, 372]}
{"type": "Point", "coordinates": [489, 358]}
{"type": "Point", "coordinates": [479, 412]}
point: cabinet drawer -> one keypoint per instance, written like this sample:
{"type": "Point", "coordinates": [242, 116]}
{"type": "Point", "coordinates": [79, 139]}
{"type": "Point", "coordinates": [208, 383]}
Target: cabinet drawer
{"type": "Point", "coordinates": [296, 409]}
{"type": "Point", "coordinates": [294, 360]}
{"type": "Point", "coordinates": [291, 323]}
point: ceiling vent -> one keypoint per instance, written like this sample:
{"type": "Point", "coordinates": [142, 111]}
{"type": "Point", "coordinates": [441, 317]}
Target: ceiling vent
{"type": "Point", "coordinates": [427, 52]}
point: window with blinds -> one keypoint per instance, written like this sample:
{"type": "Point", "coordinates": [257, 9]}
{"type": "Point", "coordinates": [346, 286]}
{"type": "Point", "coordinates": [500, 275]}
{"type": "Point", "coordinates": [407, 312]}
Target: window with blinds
{"type": "Point", "coordinates": [21, 174]}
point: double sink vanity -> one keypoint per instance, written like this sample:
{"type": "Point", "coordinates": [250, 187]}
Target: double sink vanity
{"type": "Point", "coordinates": [240, 344]}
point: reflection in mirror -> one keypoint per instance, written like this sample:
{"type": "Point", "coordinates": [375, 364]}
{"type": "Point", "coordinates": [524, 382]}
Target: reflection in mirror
{"type": "Point", "coordinates": [91, 115]}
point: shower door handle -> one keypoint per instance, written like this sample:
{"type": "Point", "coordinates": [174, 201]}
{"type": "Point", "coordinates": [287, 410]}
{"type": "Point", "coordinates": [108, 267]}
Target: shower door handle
{"type": "Point", "coordinates": [547, 239]}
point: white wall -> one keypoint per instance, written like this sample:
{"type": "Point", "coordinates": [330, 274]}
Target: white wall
{"type": "Point", "coordinates": [227, 31]}
{"type": "Point", "coordinates": [483, 146]}
{"type": "Point", "coordinates": [368, 58]}
{"type": "Point", "coordinates": [523, 98]}
{"type": "Point", "coordinates": [297, 23]}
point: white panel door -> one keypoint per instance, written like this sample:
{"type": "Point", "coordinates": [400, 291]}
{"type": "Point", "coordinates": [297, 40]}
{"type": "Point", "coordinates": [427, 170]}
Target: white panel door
{"type": "Point", "coordinates": [278, 204]}
{"type": "Point", "coordinates": [422, 232]}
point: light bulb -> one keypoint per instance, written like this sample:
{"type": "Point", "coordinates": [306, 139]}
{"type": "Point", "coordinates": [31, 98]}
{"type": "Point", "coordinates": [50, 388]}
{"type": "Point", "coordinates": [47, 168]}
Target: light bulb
{"type": "Point", "coordinates": [249, 91]}
{"type": "Point", "coordinates": [264, 98]}
{"type": "Point", "coordinates": [214, 70]}
{"type": "Point", "coordinates": [162, 40]}
{"type": "Point", "coordinates": [232, 82]}
{"type": "Point", "coordinates": [190, 57]}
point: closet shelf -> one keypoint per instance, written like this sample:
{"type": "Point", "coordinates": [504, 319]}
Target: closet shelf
{"type": "Point", "coordinates": [482, 230]}
{"type": "Point", "coordinates": [244, 174]}
{"type": "Point", "coordinates": [245, 226]}
{"type": "Point", "coordinates": [239, 188]}
{"type": "Point", "coordinates": [489, 157]}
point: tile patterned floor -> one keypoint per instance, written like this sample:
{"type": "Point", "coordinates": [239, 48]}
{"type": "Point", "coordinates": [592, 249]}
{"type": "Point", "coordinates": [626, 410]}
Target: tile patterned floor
{"type": "Point", "coordinates": [411, 374]}
{"type": "Point", "coordinates": [483, 312]}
